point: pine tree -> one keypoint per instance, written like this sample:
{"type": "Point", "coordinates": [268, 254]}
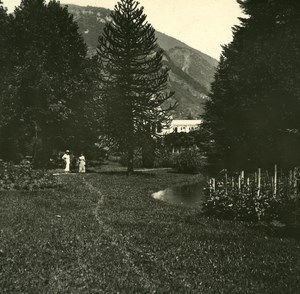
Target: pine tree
{"type": "Point", "coordinates": [4, 26]}
{"type": "Point", "coordinates": [252, 115]}
{"type": "Point", "coordinates": [3, 40]}
{"type": "Point", "coordinates": [7, 55]}
{"type": "Point", "coordinates": [133, 78]}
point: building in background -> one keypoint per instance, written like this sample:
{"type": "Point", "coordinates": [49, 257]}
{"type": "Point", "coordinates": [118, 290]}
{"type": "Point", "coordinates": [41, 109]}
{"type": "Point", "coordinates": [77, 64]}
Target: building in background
{"type": "Point", "coordinates": [180, 126]}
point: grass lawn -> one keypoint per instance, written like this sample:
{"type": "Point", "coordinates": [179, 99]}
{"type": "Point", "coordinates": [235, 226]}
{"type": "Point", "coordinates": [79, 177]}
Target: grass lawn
{"type": "Point", "coordinates": [103, 233]}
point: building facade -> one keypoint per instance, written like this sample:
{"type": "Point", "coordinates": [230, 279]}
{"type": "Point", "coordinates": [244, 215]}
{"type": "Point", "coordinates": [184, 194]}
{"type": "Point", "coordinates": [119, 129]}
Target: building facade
{"type": "Point", "coordinates": [181, 126]}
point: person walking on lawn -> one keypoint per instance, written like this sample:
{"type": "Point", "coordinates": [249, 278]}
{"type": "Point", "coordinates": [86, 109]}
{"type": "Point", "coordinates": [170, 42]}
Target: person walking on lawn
{"type": "Point", "coordinates": [67, 159]}
{"type": "Point", "coordinates": [81, 163]}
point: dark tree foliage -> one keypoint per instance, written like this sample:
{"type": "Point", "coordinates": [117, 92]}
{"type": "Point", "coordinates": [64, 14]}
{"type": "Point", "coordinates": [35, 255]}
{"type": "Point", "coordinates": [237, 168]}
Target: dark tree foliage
{"type": "Point", "coordinates": [4, 43]}
{"type": "Point", "coordinates": [4, 55]}
{"type": "Point", "coordinates": [252, 118]}
{"type": "Point", "coordinates": [180, 140]}
{"type": "Point", "coordinates": [4, 25]}
{"type": "Point", "coordinates": [44, 103]}
{"type": "Point", "coordinates": [133, 78]}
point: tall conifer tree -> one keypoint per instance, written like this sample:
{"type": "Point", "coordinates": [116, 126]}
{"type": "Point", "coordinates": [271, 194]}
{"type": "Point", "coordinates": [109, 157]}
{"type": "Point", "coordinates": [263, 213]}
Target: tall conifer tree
{"type": "Point", "coordinates": [133, 78]}
{"type": "Point", "coordinates": [253, 112]}
{"type": "Point", "coordinates": [4, 25]}
{"type": "Point", "coordinates": [7, 56]}
{"type": "Point", "coordinates": [3, 40]}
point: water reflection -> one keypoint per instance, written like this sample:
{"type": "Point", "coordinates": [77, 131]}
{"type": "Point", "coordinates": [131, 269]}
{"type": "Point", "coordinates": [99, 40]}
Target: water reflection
{"type": "Point", "coordinates": [188, 195]}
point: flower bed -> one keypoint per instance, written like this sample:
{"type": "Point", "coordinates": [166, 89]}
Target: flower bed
{"type": "Point", "coordinates": [255, 198]}
{"type": "Point", "coordinates": [24, 177]}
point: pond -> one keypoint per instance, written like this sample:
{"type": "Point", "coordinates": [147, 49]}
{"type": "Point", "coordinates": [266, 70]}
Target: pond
{"type": "Point", "coordinates": [187, 195]}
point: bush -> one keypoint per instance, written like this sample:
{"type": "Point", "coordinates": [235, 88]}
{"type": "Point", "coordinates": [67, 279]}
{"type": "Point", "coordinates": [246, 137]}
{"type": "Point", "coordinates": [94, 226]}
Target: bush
{"type": "Point", "coordinates": [24, 177]}
{"type": "Point", "coordinates": [137, 160]}
{"type": "Point", "coordinates": [163, 158]}
{"type": "Point", "coordinates": [187, 161]}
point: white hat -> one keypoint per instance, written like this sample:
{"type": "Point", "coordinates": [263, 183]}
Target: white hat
{"type": "Point", "coordinates": [67, 151]}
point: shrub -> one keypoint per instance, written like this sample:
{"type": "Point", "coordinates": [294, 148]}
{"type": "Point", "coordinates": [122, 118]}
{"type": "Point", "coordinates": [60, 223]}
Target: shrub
{"type": "Point", "coordinates": [163, 158]}
{"type": "Point", "coordinates": [137, 160]}
{"type": "Point", "coordinates": [187, 161]}
{"type": "Point", "coordinates": [24, 177]}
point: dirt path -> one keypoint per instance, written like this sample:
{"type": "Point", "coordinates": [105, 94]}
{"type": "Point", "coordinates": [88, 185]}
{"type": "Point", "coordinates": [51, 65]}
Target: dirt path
{"type": "Point", "coordinates": [119, 240]}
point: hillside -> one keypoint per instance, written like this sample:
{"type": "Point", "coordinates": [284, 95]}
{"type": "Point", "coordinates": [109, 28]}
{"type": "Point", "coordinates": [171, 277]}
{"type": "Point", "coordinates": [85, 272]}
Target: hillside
{"type": "Point", "coordinates": [191, 71]}
{"type": "Point", "coordinates": [166, 42]}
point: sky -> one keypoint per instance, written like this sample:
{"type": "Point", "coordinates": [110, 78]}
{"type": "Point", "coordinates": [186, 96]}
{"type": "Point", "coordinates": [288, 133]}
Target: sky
{"type": "Point", "coordinates": [202, 24]}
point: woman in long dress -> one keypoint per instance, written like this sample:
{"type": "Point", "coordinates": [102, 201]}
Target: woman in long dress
{"type": "Point", "coordinates": [67, 159]}
{"type": "Point", "coordinates": [81, 163]}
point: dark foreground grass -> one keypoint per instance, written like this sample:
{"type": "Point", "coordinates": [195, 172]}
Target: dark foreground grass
{"type": "Point", "coordinates": [103, 233]}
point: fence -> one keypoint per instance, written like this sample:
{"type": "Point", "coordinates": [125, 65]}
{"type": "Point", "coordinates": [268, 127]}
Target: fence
{"type": "Point", "coordinates": [260, 195]}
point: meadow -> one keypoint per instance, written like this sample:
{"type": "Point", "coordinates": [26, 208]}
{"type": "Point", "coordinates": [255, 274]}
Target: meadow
{"type": "Point", "coordinates": [102, 232]}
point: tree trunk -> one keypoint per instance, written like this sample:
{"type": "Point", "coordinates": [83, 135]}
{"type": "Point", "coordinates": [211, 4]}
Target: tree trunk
{"type": "Point", "coordinates": [35, 143]}
{"type": "Point", "coordinates": [148, 152]}
{"type": "Point", "coordinates": [130, 161]}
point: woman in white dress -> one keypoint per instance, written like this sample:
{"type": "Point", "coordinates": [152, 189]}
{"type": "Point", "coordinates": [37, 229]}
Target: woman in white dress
{"type": "Point", "coordinates": [67, 159]}
{"type": "Point", "coordinates": [81, 163]}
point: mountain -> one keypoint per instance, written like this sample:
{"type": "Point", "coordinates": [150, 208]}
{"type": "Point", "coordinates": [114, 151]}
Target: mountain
{"type": "Point", "coordinates": [190, 77]}
{"type": "Point", "coordinates": [191, 71]}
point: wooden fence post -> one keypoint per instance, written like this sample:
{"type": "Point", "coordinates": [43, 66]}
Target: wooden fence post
{"type": "Point", "coordinates": [258, 181]}
{"type": "Point", "coordinates": [275, 179]}
{"type": "Point", "coordinates": [291, 182]}
{"type": "Point", "coordinates": [242, 177]}
{"type": "Point", "coordinates": [258, 192]}
{"type": "Point", "coordinates": [225, 181]}
{"type": "Point", "coordinates": [295, 180]}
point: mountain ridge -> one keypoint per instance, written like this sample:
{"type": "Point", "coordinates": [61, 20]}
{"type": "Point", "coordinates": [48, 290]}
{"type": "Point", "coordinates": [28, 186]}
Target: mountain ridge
{"type": "Point", "coordinates": [173, 42]}
{"type": "Point", "coordinates": [191, 71]}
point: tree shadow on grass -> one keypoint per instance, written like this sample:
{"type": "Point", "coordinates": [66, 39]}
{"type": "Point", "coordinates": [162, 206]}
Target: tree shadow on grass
{"type": "Point", "coordinates": [125, 173]}
{"type": "Point", "coordinates": [291, 231]}
{"type": "Point", "coordinates": [282, 232]}
{"type": "Point", "coordinates": [173, 171]}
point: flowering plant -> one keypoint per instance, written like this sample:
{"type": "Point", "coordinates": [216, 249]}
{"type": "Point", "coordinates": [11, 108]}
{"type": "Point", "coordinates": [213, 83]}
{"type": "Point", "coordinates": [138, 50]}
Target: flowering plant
{"type": "Point", "coordinates": [24, 177]}
{"type": "Point", "coordinates": [235, 198]}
